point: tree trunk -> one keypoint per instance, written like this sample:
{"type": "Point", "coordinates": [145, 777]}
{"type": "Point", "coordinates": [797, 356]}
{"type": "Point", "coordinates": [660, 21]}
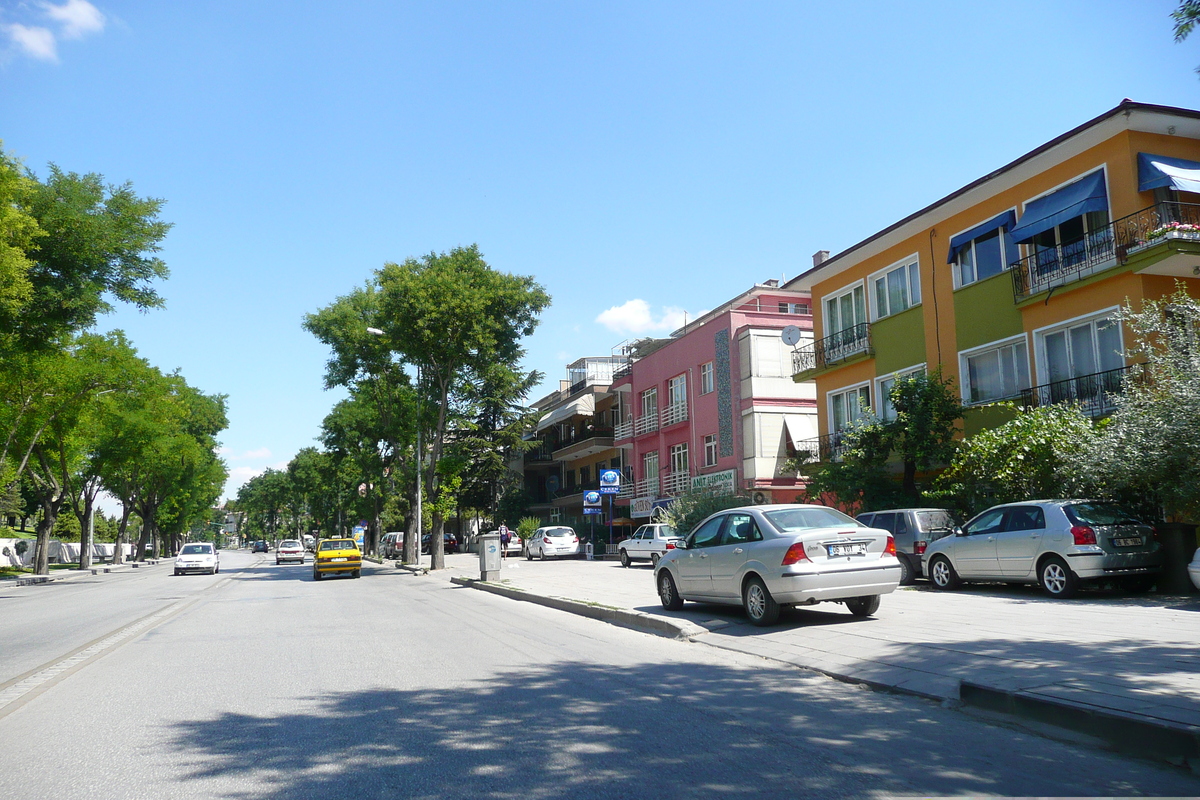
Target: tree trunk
{"type": "Point", "coordinates": [412, 547]}
{"type": "Point", "coordinates": [437, 549]}
{"type": "Point", "coordinates": [122, 527]}
{"type": "Point", "coordinates": [51, 504]}
{"type": "Point", "coordinates": [910, 479]}
{"type": "Point", "coordinates": [85, 533]}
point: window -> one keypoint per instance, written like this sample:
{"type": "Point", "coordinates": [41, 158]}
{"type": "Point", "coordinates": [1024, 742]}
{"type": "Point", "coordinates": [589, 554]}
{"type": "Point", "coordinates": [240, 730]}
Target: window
{"type": "Point", "coordinates": [1066, 244]}
{"type": "Point", "coordinates": [985, 256]}
{"type": "Point", "coordinates": [677, 390]}
{"type": "Point", "coordinates": [679, 459]}
{"type": "Point", "coordinates": [896, 289]}
{"type": "Point", "coordinates": [585, 476]}
{"type": "Point", "coordinates": [995, 372]}
{"type": "Point", "coordinates": [650, 465]}
{"type": "Point", "coordinates": [615, 463]}
{"type": "Point", "coordinates": [845, 407]}
{"type": "Point", "coordinates": [845, 310]}
{"type": "Point", "coordinates": [710, 450]}
{"type": "Point", "coordinates": [884, 391]}
{"type": "Point", "coordinates": [570, 479]}
{"type": "Point", "coordinates": [706, 378]}
{"type": "Point", "coordinates": [650, 402]}
{"type": "Point", "coordinates": [1084, 348]}
{"type": "Point", "coordinates": [740, 528]}
{"type": "Point", "coordinates": [708, 534]}
{"type": "Point", "coordinates": [794, 308]}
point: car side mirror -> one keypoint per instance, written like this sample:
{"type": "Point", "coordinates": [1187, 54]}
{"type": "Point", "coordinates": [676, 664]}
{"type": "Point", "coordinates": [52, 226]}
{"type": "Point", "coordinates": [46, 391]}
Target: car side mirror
{"type": "Point", "coordinates": [681, 544]}
{"type": "Point", "coordinates": [959, 531]}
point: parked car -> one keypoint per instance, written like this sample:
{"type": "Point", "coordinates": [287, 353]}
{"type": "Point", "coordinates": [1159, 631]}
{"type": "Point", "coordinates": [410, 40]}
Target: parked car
{"type": "Point", "coordinates": [1194, 569]}
{"type": "Point", "coordinates": [648, 543]}
{"type": "Point", "coordinates": [198, 557]}
{"type": "Point", "coordinates": [337, 556]}
{"type": "Point", "coordinates": [553, 540]}
{"type": "Point", "coordinates": [1056, 543]}
{"type": "Point", "coordinates": [913, 530]}
{"type": "Point", "coordinates": [767, 557]}
{"type": "Point", "coordinates": [289, 550]}
{"type": "Point", "coordinates": [310, 542]}
{"type": "Point", "coordinates": [392, 544]}
{"type": "Point", "coordinates": [449, 543]}
{"type": "Point", "coordinates": [259, 547]}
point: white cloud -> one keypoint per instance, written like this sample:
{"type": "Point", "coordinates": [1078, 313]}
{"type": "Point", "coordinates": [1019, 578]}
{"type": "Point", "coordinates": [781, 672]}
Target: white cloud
{"type": "Point", "coordinates": [77, 18]}
{"type": "Point", "coordinates": [239, 475]}
{"type": "Point", "coordinates": [249, 455]}
{"type": "Point", "coordinates": [33, 41]}
{"type": "Point", "coordinates": [635, 317]}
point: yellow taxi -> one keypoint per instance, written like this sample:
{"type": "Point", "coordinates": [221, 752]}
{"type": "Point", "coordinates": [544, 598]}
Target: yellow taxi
{"type": "Point", "coordinates": [335, 556]}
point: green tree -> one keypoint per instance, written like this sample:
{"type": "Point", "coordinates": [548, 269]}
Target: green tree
{"type": "Point", "coordinates": [1186, 16]}
{"type": "Point", "coordinates": [19, 231]}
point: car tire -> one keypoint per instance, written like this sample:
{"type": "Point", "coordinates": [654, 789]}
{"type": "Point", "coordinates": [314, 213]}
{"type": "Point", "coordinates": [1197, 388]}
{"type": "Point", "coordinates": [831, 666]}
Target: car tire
{"type": "Point", "coordinates": [316, 575]}
{"type": "Point", "coordinates": [177, 573]}
{"type": "Point", "coordinates": [668, 595]}
{"type": "Point", "coordinates": [277, 562]}
{"type": "Point", "coordinates": [356, 574]}
{"type": "Point", "coordinates": [529, 555]}
{"type": "Point", "coordinates": [907, 577]}
{"type": "Point", "coordinates": [863, 606]}
{"type": "Point", "coordinates": [760, 607]}
{"type": "Point", "coordinates": [942, 574]}
{"type": "Point", "coordinates": [625, 562]}
{"type": "Point", "coordinates": [654, 559]}
{"type": "Point", "coordinates": [1056, 578]}
{"type": "Point", "coordinates": [216, 571]}
{"type": "Point", "coordinates": [541, 554]}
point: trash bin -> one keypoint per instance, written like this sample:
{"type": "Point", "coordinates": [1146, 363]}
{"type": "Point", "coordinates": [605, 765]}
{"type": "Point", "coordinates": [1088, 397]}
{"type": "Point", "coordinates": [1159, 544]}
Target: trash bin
{"type": "Point", "coordinates": [588, 551]}
{"type": "Point", "coordinates": [1179, 544]}
{"type": "Point", "coordinates": [489, 556]}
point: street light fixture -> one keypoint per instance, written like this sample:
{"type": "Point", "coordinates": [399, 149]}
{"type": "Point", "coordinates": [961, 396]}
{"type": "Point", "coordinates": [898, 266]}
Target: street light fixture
{"type": "Point", "coordinates": [420, 486]}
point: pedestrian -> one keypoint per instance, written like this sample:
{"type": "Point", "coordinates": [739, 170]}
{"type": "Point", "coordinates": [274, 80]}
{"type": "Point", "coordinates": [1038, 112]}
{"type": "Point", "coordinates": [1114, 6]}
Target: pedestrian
{"type": "Point", "coordinates": [505, 538]}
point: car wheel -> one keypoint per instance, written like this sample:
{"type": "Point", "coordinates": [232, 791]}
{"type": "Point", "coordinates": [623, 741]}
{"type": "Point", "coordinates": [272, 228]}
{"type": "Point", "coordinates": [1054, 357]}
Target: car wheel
{"type": "Point", "coordinates": [863, 606]}
{"type": "Point", "coordinates": [906, 571]}
{"type": "Point", "coordinates": [277, 562]}
{"type": "Point", "coordinates": [541, 554]}
{"type": "Point", "coordinates": [177, 573]}
{"type": "Point", "coordinates": [529, 555]}
{"type": "Point", "coordinates": [667, 594]}
{"type": "Point", "coordinates": [760, 607]}
{"type": "Point", "coordinates": [356, 574]}
{"type": "Point", "coordinates": [942, 574]}
{"type": "Point", "coordinates": [1057, 579]}
{"type": "Point", "coordinates": [624, 558]}
{"type": "Point", "coordinates": [654, 558]}
{"type": "Point", "coordinates": [215, 571]}
{"type": "Point", "coordinates": [316, 575]}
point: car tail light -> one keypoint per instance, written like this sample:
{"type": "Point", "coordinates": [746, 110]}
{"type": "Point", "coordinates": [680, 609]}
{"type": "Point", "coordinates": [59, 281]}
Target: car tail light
{"type": "Point", "coordinates": [795, 554]}
{"type": "Point", "coordinates": [670, 545]}
{"type": "Point", "coordinates": [547, 540]}
{"type": "Point", "coordinates": [1154, 532]}
{"type": "Point", "coordinates": [919, 548]}
{"type": "Point", "coordinates": [890, 550]}
{"type": "Point", "coordinates": [1083, 534]}
{"type": "Point", "coordinates": [575, 539]}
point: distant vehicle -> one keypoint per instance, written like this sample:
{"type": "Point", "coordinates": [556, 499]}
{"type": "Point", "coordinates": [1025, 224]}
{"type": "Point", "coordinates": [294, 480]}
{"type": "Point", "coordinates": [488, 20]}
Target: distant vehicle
{"type": "Point", "coordinates": [259, 547]}
{"type": "Point", "coordinates": [198, 557]}
{"type": "Point", "coordinates": [449, 543]}
{"type": "Point", "coordinates": [554, 541]}
{"type": "Point", "coordinates": [392, 544]}
{"type": "Point", "coordinates": [337, 557]}
{"type": "Point", "coordinates": [913, 529]}
{"type": "Point", "coordinates": [289, 550]}
{"type": "Point", "coordinates": [310, 543]}
{"type": "Point", "coordinates": [648, 543]}
{"type": "Point", "coordinates": [1056, 543]}
{"type": "Point", "coordinates": [768, 557]}
{"type": "Point", "coordinates": [1194, 570]}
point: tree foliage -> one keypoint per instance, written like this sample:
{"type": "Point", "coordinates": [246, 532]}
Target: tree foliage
{"type": "Point", "coordinates": [689, 509]}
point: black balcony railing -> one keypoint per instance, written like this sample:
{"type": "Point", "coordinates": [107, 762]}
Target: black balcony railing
{"type": "Point", "coordinates": [830, 447]}
{"type": "Point", "coordinates": [832, 349]}
{"type": "Point", "coordinates": [537, 454]}
{"type": "Point", "coordinates": [1095, 394]}
{"type": "Point", "coordinates": [1075, 260]}
{"type": "Point", "coordinates": [622, 372]}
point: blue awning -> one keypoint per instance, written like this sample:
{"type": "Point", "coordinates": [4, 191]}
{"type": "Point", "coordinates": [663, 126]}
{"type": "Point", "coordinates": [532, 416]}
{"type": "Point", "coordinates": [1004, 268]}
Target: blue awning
{"type": "Point", "coordinates": [1158, 171]}
{"type": "Point", "coordinates": [1007, 221]}
{"type": "Point", "coordinates": [1084, 195]}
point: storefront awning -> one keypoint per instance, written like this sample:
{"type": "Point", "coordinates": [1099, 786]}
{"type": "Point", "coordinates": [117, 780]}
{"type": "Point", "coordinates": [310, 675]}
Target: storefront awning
{"type": "Point", "coordinates": [584, 406]}
{"type": "Point", "coordinates": [1007, 221]}
{"type": "Point", "coordinates": [1084, 195]}
{"type": "Point", "coordinates": [1158, 171]}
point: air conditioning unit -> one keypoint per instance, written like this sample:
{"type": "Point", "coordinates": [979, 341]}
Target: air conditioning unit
{"type": "Point", "coordinates": [760, 499]}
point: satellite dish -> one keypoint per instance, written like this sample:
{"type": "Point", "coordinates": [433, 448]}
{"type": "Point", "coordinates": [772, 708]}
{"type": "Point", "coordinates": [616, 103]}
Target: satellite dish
{"type": "Point", "coordinates": [791, 335]}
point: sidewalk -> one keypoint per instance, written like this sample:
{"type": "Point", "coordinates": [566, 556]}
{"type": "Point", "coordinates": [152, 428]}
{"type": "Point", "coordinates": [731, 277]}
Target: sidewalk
{"type": "Point", "coordinates": [1122, 668]}
{"type": "Point", "coordinates": [71, 574]}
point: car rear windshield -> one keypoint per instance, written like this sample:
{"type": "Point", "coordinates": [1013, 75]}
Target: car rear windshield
{"type": "Point", "coordinates": [195, 549]}
{"type": "Point", "coordinates": [1099, 514]}
{"type": "Point", "coordinates": [559, 532]}
{"type": "Point", "coordinates": [935, 520]}
{"type": "Point", "coordinates": [339, 544]}
{"type": "Point", "coordinates": [667, 532]}
{"type": "Point", "coordinates": [798, 519]}
{"type": "Point", "coordinates": [289, 544]}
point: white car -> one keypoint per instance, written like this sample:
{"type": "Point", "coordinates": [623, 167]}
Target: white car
{"type": "Point", "coordinates": [553, 541]}
{"type": "Point", "coordinates": [648, 543]}
{"type": "Point", "coordinates": [198, 557]}
{"type": "Point", "coordinates": [767, 557]}
{"type": "Point", "coordinates": [289, 550]}
{"type": "Point", "coordinates": [1194, 569]}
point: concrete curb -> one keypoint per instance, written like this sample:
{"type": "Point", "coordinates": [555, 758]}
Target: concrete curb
{"type": "Point", "coordinates": [72, 574]}
{"type": "Point", "coordinates": [646, 623]}
{"type": "Point", "coordinates": [1159, 739]}
{"type": "Point", "coordinates": [415, 570]}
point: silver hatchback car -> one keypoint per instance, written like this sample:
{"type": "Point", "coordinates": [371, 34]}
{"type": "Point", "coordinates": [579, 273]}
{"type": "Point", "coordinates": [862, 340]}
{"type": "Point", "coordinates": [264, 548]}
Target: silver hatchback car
{"type": "Point", "coordinates": [766, 557]}
{"type": "Point", "coordinates": [1057, 543]}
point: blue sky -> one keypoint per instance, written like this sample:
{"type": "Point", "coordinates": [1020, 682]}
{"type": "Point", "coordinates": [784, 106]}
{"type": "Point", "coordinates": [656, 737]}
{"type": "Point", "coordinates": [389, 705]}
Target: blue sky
{"type": "Point", "coordinates": [642, 160]}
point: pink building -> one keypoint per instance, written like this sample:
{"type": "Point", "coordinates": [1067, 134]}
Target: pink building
{"type": "Point", "coordinates": [714, 405]}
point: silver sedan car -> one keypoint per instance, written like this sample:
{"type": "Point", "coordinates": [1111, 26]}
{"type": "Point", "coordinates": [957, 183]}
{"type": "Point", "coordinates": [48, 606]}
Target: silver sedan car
{"type": "Point", "coordinates": [766, 557]}
{"type": "Point", "coordinates": [1057, 543]}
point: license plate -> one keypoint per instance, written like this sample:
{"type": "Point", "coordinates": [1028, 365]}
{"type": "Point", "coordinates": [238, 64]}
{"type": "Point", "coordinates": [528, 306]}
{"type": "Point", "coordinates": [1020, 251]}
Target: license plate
{"type": "Point", "coordinates": [1127, 542]}
{"type": "Point", "coordinates": [847, 549]}
{"type": "Point", "coordinates": [341, 559]}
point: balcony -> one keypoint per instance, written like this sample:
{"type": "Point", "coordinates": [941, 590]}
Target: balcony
{"type": "Point", "coordinates": [624, 430]}
{"type": "Point", "coordinates": [647, 423]}
{"type": "Point", "coordinates": [537, 455]}
{"type": "Point", "coordinates": [676, 483]}
{"type": "Point", "coordinates": [586, 444]}
{"type": "Point", "coordinates": [675, 412]}
{"type": "Point", "coordinates": [831, 350]}
{"type": "Point", "coordinates": [1108, 246]}
{"type": "Point", "coordinates": [622, 372]}
{"type": "Point", "coordinates": [647, 487]}
{"type": "Point", "coordinates": [1095, 394]}
{"type": "Point", "coordinates": [830, 447]}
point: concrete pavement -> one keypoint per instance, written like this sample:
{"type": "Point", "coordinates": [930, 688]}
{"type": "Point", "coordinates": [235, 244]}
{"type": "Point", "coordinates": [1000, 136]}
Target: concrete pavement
{"type": "Point", "coordinates": [1124, 669]}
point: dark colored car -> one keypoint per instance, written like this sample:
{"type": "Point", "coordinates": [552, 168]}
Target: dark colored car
{"type": "Point", "coordinates": [449, 543]}
{"type": "Point", "coordinates": [259, 547]}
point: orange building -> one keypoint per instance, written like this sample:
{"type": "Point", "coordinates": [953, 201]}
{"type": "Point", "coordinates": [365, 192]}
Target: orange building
{"type": "Point", "coordinates": [1012, 284]}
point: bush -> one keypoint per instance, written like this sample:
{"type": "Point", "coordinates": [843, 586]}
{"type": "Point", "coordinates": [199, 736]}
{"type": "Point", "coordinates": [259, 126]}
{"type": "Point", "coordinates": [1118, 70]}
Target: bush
{"type": "Point", "coordinates": [527, 526]}
{"type": "Point", "coordinates": [691, 508]}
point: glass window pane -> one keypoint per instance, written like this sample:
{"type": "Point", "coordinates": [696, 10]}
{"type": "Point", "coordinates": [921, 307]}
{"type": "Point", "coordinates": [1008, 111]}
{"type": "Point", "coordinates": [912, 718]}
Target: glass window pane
{"type": "Point", "coordinates": [831, 316]}
{"type": "Point", "coordinates": [897, 281]}
{"type": "Point", "coordinates": [1021, 359]}
{"type": "Point", "coordinates": [881, 298]}
{"type": "Point", "coordinates": [1108, 342]}
{"type": "Point", "coordinates": [847, 311]}
{"type": "Point", "coordinates": [1058, 365]}
{"type": "Point", "coordinates": [984, 374]}
{"type": "Point", "coordinates": [987, 255]}
{"type": "Point", "coordinates": [1083, 351]}
{"type": "Point", "coordinates": [966, 265]}
{"type": "Point", "coordinates": [860, 306]}
{"type": "Point", "coordinates": [914, 284]}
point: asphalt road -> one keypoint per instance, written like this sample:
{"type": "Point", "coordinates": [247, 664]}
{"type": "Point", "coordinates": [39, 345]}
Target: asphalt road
{"type": "Point", "coordinates": [261, 683]}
